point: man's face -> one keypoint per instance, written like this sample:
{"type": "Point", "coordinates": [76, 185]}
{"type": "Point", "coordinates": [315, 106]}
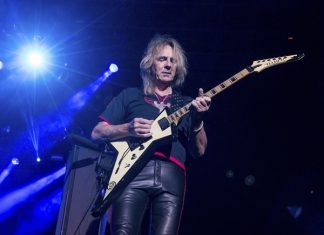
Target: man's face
{"type": "Point", "coordinates": [165, 65]}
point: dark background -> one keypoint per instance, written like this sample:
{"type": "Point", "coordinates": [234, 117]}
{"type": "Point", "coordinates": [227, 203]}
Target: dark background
{"type": "Point", "coordinates": [265, 150]}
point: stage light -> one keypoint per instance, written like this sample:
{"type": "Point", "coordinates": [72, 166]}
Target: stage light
{"type": "Point", "coordinates": [1, 65]}
{"type": "Point", "coordinates": [15, 161]}
{"type": "Point", "coordinates": [12, 200]}
{"type": "Point", "coordinates": [35, 59]}
{"type": "Point", "coordinates": [79, 99]}
{"type": "Point", "coordinates": [51, 127]}
{"type": "Point", "coordinates": [42, 216]}
{"type": "Point", "coordinates": [6, 172]}
{"type": "Point", "coordinates": [113, 68]}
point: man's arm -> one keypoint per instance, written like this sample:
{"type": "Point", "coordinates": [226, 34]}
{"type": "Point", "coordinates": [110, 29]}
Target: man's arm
{"type": "Point", "coordinates": [198, 142]}
{"type": "Point", "coordinates": [138, 127]}
{"type": "Point", "coordinates": [198, 137]}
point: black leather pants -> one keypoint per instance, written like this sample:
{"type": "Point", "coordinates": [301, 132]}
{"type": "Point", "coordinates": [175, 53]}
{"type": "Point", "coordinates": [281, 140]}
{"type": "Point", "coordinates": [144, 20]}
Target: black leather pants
{"type": "Point", "coordinates": [160, 186]}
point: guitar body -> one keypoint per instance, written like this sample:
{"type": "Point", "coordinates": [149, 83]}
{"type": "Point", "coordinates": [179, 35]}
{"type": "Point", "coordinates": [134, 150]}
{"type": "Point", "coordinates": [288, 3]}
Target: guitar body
{"type": "Point", "coordinates": [129, 162]}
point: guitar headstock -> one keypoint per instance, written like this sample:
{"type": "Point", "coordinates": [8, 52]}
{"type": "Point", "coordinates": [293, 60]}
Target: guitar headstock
{"type": "Point", "coordinates": [259, 65]}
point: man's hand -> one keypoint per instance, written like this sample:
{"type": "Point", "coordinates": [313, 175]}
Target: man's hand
{"type": "Point", "coordinates": [140, 127]}
{"type": "Point", "coordinates": [202, 102]}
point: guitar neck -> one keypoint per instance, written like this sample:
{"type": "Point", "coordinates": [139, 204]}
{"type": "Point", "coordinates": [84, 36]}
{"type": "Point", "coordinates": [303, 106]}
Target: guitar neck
{"type": "Point", "coordinates": [177, 115]}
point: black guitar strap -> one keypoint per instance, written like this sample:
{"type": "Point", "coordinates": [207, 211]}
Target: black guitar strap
{"type": "Point", "coordinates": [177, 102]}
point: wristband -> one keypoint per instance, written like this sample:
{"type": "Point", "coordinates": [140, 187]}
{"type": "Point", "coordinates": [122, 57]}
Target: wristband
{"type": "Point", "coordinates": [199, 128]}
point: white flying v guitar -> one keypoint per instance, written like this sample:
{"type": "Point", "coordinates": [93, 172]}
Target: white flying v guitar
{"type": "Point", "coordinates": [130, 160]}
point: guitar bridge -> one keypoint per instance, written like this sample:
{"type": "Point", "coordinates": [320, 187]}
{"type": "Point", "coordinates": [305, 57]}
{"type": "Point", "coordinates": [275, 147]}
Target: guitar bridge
{"type": "Point", "coordinates": [134, 142]}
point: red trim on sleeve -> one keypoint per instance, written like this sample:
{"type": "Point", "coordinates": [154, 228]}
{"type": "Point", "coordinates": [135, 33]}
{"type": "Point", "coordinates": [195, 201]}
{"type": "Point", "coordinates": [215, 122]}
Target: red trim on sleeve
{"type": "Point", "coordinates": [105, 120]}
{"type": "Point", "coordinates": [172, 159]}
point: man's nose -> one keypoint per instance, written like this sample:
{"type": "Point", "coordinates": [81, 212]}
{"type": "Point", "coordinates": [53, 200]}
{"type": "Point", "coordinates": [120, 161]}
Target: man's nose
{"type": "Point", "coordinates": [167, 64]}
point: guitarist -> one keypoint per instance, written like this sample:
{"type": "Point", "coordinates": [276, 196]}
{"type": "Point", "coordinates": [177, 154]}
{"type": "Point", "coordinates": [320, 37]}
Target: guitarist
{"type": "Point", "coordinates": [160, 185]}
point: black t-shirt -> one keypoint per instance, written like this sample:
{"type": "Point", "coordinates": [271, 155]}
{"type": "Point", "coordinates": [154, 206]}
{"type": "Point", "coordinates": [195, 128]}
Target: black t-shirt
{"type": "Point", "coordinates": [133, 103]}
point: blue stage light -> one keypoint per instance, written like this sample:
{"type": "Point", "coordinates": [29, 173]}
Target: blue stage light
{"type": "Point", "coordinates": [42, 217]}
{"type": "Point", "coordinates": [35, 59]}
{"type": "Point", "coordinates": [12, 200]}
{"type": "Point", "coordinates": [6, 172]}
{"type": "Point", "coordinates": [1, 65]}
{"type": "Point", "coordinates": [44, 131]}
{"type": "Point", "coordinates": [79, 99]}
{"type": "Point", "coordinates": [113, 68]}
{"type": "Point", "coordinates": [15, 161]}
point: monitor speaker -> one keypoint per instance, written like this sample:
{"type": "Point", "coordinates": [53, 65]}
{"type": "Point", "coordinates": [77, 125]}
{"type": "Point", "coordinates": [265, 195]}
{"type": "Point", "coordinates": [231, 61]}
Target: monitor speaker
{"type": "Point", "coordinates": [80, 191]}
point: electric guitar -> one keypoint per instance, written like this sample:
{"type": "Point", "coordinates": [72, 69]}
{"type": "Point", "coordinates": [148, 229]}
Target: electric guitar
{"type": "Point", "coordinates": [131, 159]}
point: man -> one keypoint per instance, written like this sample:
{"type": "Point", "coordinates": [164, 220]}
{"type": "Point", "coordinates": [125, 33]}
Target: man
{"type": "Point", "coordinates": [160, 185]}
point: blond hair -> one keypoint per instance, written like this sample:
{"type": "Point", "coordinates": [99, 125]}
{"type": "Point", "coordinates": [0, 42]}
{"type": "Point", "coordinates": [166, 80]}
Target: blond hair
{"type": "Point", "coordinates": [146, 65]}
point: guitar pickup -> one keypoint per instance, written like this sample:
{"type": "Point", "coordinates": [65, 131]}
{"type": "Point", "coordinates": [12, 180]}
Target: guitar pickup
{"type": "Point", "coordinates": [164, 123]}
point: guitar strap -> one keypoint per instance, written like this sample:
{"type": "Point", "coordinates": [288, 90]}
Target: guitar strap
{"type": "Point", "coordinates": [176, 103]}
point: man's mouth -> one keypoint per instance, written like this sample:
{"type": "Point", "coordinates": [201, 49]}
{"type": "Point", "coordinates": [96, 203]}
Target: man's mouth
{"type": "Point", "coordinates": [166, 73]}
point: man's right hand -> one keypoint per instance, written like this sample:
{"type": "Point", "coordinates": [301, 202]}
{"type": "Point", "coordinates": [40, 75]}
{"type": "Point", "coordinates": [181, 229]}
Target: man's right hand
{"type": "Point", "coordinates": [140, 127]}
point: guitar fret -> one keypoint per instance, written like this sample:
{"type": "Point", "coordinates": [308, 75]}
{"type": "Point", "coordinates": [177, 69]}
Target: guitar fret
{"type": "Point", "coordinates": [175, 117]}
{"type": "Point", "coordinates": [227, 83]}
{"type": "Point", "coordinates": [233, 79]}
{"type": "Point", "coordinates": [184, 111]}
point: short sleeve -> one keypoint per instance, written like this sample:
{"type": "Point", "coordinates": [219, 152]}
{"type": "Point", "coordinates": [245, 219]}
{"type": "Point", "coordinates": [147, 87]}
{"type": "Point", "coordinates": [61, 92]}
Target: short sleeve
{"type": "Point", "coordinates": [115, 111]}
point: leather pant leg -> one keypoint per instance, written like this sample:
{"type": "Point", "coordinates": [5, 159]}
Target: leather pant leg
{"type": "Point", "coordinates": [166, 213]}
{"type": "Point", "coordinates": [159, 185]}
{"type": "Point", "coordinates": [128, 212]}
{"type": "Point", "coordinates": [166, 204]}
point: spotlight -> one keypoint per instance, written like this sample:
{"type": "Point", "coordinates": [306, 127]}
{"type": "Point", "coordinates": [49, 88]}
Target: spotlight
{"type": "Point", "coordinates": [1, 65]}
{"type": "Point", "coordinates": [6, 172]}
{"type": "Point", "coordinates": [35, 59]}
{"type": "Point", "coordinates": [113, 68]}
{"type": "Point", "coordinates": [38, 159]}
{"type": "Point", "coordinates": [12, 200]}
{"type": "Point", "coordinates": [15, 161]}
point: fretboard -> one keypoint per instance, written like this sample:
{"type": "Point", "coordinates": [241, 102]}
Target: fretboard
{"type": "Point", "coordinates": [177, 115]}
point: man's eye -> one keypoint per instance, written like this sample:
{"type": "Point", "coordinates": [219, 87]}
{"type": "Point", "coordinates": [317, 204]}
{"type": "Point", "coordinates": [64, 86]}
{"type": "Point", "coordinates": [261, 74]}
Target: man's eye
{"type": "Point", "coordinates": [162, 59]}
